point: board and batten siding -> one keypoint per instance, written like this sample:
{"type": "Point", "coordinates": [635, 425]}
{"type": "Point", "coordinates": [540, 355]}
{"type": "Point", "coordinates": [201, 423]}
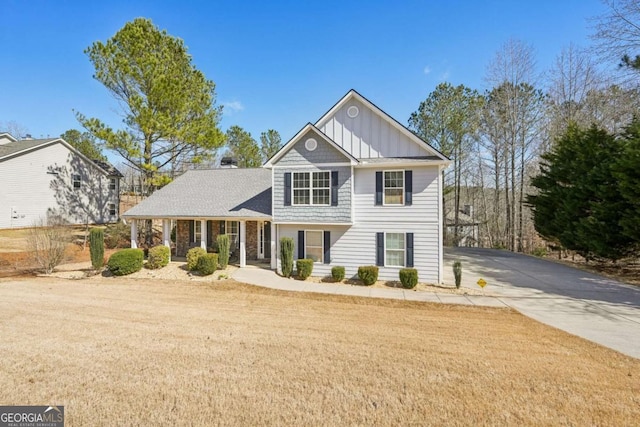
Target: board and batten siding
{"type": "Point", "coordinates": [39, 182]}
{"type": "Point", "coordinates": [368, 135]}
{"type": "Point", "coordinates": [355, 246]}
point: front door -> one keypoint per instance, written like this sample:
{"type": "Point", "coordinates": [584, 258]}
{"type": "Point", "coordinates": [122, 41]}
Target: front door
{"type": "Point", "coordinates": [267, 239]}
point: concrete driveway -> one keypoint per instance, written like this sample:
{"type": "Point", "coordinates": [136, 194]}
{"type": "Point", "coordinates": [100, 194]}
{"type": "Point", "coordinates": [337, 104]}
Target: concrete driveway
{"type": "Point", "coordinates": [594, 307]}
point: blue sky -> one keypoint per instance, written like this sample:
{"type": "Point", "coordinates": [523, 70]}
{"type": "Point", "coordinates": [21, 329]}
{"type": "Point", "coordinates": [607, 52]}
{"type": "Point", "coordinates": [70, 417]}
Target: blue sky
{"type": "Point", "coordinates": [276, 64]}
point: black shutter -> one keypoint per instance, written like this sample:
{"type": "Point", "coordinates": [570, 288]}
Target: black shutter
{"type": "Point", "coordinates": [191, 225]}
{"type": "Point", "coordinates": [334, 188]}
{"type": "Point", "coordinates": [209, 234]}
{"type": "Point", "coordinates": [408, 188]}
{"type": "Point", "coordinates": [287, 188]}
{"type": "Point", "coordinates": [300, 244]}
{"type": "Point", "coordinates": [222, 230]}
{"type": "Point", "coordinates": [378, 188]}
{"type": "Point", "coordinates": [380, 249]}
{"type": "Point", "coordinates": [409, 244]}
{"type": "Point", "coordinates": [327, 247]}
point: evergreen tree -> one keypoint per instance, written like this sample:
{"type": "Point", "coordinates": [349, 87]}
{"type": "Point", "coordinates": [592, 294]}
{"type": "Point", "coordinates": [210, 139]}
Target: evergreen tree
{"type": "Point", "coordinates": [85, 143]}
{"type": "Point", "coordinates": [270, 143]}
{"type": "Point", "coordinates": [243, 148]}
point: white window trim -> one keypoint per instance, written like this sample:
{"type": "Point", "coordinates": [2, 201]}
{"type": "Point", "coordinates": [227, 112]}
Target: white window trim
{"type": "Point", "coordinates": [321, 261]}
{"type": "Point", "coordinates": [404, 251]}
{"type": "Point", "coordinates": [115, 210]}
{"type": "Point", "coordinates": [310, 189]}
{"type": "Point", "coordinates": [197, 235]}
{"type": "Point", "coordinates": [74, 180]}
{"type": "Point", "coordinates": [384, 194]}
{"type": "Point", "coordinates": [113, 182]}
{"type": "Point", "coordinates": [227, 231]}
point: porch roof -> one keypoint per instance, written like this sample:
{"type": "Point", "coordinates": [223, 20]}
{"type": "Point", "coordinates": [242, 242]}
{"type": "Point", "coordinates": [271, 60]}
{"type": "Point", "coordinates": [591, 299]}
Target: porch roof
{"type": "Point", "coordinates": [219, 193]}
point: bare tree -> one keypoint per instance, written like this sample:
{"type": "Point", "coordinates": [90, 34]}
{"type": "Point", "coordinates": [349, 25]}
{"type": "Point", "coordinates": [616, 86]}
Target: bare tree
{"type": "Point", "coordinates": [47, 240]}
{"type": "Point", "coordinates": [16, 130]}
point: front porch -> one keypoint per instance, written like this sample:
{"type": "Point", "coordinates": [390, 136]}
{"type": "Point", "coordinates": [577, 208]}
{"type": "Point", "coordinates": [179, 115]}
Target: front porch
{"type": "Point", "coordinates": [251, 240]}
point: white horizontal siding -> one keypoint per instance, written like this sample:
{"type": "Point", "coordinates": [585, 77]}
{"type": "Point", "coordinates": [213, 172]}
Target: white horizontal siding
{"type": "Point", "coordinates": [424, 208]}
{"type": "Point", "coordinates": [369, 135]}
{"type": "Point", "coordinates": [355, 246]}
{"type": "Point", "coordinates": [33, 193]}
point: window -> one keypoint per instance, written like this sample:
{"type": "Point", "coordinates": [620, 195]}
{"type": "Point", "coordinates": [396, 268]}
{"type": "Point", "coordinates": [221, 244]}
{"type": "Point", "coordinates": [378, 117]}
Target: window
{"type": "Point", "coordinates": [112, 184]}
{"type": "Point", "coordinates": [394, 187]}
{"type": "Point", "coordinates": [313, 247]}
{"type": "Point", "coordinates": [197, 231]}
{"type": "Point", "coordinates": [76, 181]}
{"type": "Point", "coordinates": [112, 209]}
{"type": "Point", "coordinates": [394, 250]}
{"type": "Point", "coordinates": [231, 229]}
{"type": "Point", "coordinates": [311, 188]}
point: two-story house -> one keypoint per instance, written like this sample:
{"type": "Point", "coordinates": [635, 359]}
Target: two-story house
{"type": "Point", "coordinates": [355, 188]}
{"type": "Point", "coordinates": [48, 177]}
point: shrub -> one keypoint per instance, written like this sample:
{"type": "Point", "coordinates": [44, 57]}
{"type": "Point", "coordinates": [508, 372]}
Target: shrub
{"type": "Point", "coordinates": [337, 273]}
{"type": "Point", "coordinates": [540, 251]}
{"type": "Point", "coordinates": [286, 255]}
{"type": "Point", "coordinates": [304, 267]}
{"type": "Point", "coordinates": [159, 256]}
{"type": "Point", "coordinates": [223, 250]}
{"type": "Point", "coordinates": [457, 273]}
{"type": "Point", "coordinates": [192, 257]}
{"type": "Point", "coordinates": [409, 278]}
{"type": "Point", "coordinates": [125, 261]}
{"type": "Point", "coordinates": [47, 242]}
{"type": "Point", "coordinates": [96, 247]}
{"type": "Point", "coordinates": [207, 264]}
{"type": "Point", "coordinates": [117, 235]}
{"type": "Point", "coordinates": [368, 274]}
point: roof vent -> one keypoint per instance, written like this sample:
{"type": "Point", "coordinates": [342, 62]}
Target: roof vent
{"type": "Point", "coordinates": [228, 163]}
{"type": "Point", "coordinates": [28, 136]}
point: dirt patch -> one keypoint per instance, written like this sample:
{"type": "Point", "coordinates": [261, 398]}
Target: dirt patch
{"type": "Point", "coordinates": [144, 351]}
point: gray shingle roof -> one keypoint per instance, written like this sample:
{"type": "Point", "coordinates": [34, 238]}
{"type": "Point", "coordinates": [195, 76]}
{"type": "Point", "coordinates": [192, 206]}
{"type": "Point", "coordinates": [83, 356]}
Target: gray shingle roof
{"type": "Point", "coordinates": [214, 193]}
{"type": "Point", "coordinates": [25, 144]}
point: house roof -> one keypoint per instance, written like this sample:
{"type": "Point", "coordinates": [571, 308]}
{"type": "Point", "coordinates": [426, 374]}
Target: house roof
{"type": "Point", "coordinates": [299, 135]}
{"type": "Point", "coordinates": [353, 94]}
{"type": "Point", "coordinates": [212, 193]}
{"type": "Point", "coordinates": [24, 146]}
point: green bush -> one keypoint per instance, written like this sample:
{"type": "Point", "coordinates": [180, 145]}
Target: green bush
{"type": "Point", "coordinates": [286, 256]}
{"type": "Point", "coordinates": [158, 257]}
{"type": "Point", "coordinates": [457, 273]}
{"type": "Point", "coordinates": [125, 261]}
{"type": "Point", "coordinates": [192, 257]}
{"type": "Point", "coordinates": [337, 273]}
{"type": "Point", "coordinates": [304, 267]}
{"type": "Point", "coordinates": [368, 274]}
{"type": "Point", "coordinates": [409, 277]}
{"type": "Point", "coordinates": [540, 251]}
{"type": "Point", "coordinates": [223, 250]}
{"type": "Point", "coordinates": [96, 247]}
{"type": "Point", "coordinates": [207, 264]}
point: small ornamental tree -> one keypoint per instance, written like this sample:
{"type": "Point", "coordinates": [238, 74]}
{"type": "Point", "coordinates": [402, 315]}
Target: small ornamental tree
{"type": "Point", "coordinates": [96, 247]}
{"type": "Point", "coordinates": [223, 250]}
{"type": "Point", "coordinates": [286, 255]}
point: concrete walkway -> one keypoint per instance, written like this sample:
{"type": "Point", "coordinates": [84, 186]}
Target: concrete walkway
{"type": "Point", "coordinates": [266, 278]}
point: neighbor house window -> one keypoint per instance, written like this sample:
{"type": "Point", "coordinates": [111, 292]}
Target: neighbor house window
{"type": "Point", "coordinates": [394, 187]}
{"type": "Point", "coordinates": [76, 181]}
{"type": "Point", "coordinates": [231, 228]}
{"type": "Point", "coordinates": [312, 188]}
{"type": "Point", "coordinates": [394, 250]}
{"type": "Point", "coordinates": [197, 231]}
{"type": "Point", "coordinates": [112, 183]}
{"type": "Point", "coordinates": [314, 248]}
{"type": "Point", "coordinates": [112, 209]}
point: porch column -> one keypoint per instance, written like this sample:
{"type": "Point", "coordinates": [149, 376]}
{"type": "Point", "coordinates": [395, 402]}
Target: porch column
{"type": "Point", "coordinates": [203, 234]}
{"type": "Point", "coordinates": [243, 243]}
{"type": "Point", "coordinates": [274, 255]}
{"type": "Point", "coordinates": [166, 232]}
{"type": "Point", "coordinates": [134, 233]}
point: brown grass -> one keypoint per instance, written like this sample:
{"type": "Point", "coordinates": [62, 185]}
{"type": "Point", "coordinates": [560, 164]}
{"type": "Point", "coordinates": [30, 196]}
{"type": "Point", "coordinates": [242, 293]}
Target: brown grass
{"type": "Point", "coordinates": [136, 352]}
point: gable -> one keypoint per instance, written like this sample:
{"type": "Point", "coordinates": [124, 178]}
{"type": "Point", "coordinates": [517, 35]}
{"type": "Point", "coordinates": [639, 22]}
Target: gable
{"type": "Point", "coordinates": [365, 131]}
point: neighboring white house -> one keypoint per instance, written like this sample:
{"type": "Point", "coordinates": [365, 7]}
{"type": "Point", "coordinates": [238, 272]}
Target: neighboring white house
{"type": "Point", "coordinates": [355, 188]}
{"type": "Point", "coordinates": [48, 177]}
